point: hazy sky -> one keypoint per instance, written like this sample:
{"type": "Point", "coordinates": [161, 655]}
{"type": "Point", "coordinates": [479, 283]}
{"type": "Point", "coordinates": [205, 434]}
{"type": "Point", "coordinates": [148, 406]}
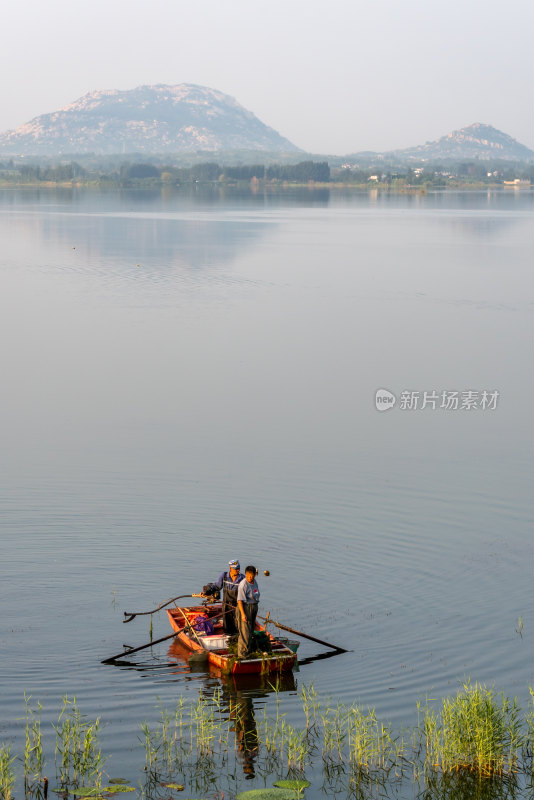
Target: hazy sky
{"type": "Point", "coordinates": [332, 76]}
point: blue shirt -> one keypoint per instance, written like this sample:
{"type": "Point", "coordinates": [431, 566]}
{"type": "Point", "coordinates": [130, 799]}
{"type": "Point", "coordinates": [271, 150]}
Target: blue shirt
{"type": "Point", "coordinates": [248, 592]}
{"type": "Point", "coordinates": [224, 579]}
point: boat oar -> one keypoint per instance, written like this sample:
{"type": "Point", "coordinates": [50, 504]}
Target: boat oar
{"type": "Point", "coordinates": [156, 641]}
{"type": "Point", "coordinates": [131, 615]}
{"type": "Point", "coordinates": [136, 649]}
{"type": "Point", "coordinates": [305, 635]}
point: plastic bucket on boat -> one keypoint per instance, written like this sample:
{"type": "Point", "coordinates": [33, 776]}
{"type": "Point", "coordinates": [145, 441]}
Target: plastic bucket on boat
{"type": "Point", "coordinates": [214, 642]}
{"type": "Point", "coordinates": [293, 644]}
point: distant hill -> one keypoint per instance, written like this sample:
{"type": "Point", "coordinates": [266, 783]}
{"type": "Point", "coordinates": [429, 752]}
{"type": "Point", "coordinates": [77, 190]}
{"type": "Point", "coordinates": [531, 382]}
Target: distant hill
{"type": "Point", "coordinates": [148, 119]}
{"type": "Point", "coordinates": [476, 141]}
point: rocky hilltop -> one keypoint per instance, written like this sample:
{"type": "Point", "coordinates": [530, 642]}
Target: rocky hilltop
{"type": "Point", "coordinates": [149, 119]}
{"type": "Point", "coordinates": [477, 141]}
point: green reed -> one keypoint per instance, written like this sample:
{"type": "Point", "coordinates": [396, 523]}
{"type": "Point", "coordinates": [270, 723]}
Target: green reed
{"type": "Point", "coordinates": [478, 730]}
{"type": "Point", "coordinates": [33, 749]}
{"type": "Point", "coordinates": [298, 749]}
{"type": "Point", "coordinates": [199, 729]}
{"type": "Point", "coordinates": [344, 735]}
{"type": "Point", "coordinates": [274, 731]}
{"type": "Point", "coordinates": [475, 734]}
{"type": "Point", "coordinates": [310, 705]}
{"type": "Point", "coordinates": [152, 745]}
{"type": "Point", "coordinates": [209, 731]}
{"type": "Point", "coordinates": [77, 756]}
{"type": "Point", "coordinates": [284, 744]}
{"type": "Point", "coordinates": [335, 732]}
{"type": "Point", "coordinates": [7, 774]}
{"type": "Point", "coordinates": [371, 744]}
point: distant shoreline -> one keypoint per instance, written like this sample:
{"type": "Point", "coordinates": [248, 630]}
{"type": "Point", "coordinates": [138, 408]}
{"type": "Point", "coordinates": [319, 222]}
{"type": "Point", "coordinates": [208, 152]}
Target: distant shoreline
{"type": "Point", "coordinates": [264, 186]}
{"type": "Point", "coordinates": [266, 177]}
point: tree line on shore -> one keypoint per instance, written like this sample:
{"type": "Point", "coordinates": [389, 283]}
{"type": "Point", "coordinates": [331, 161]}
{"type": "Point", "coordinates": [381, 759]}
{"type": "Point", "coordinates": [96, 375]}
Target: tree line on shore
{"type": "Point", "coordinates": [135, 172]}
{"type": "Point", "coordinates": [132, 172]}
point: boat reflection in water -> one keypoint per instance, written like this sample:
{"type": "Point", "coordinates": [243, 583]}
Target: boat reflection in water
{"type": "Point", "coordinates": [236, 698]}
{"type": "Point", "coordinates": [241, 710]}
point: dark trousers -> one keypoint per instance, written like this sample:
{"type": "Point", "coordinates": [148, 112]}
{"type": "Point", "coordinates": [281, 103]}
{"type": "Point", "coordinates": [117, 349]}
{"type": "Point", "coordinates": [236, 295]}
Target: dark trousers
{"type": "Point", "coordinates": [245, 628]}
{"type": "Point", "coordinates": [229, 618]}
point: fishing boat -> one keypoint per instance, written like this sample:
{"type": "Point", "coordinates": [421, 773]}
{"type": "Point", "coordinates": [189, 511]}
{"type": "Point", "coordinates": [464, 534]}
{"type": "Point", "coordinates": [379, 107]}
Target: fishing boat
{"type": "Point", "coordinates": [215, 646]}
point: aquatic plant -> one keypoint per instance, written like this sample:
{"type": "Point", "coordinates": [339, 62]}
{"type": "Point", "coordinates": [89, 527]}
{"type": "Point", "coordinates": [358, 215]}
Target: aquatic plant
{"type": "Point", "coordinates": [334, 733]}
{"type": "Point", "coordinates": [310, 704]}
{"type": "Point", "coordinates": [33, 749]}
{"type": "Point", "coordinates": [297, 785]}
{"type": "Point", "coordinates": [199, 730]}
{"type": "Point", "coordinates": [466, 785]}
{"type": "Point", "coordinates": [282, 741]}
{"type": "Point", "coordinates": [371, 744]}
{"type": "Point", "coordinates": [209, 727]}
{"type": "Point", "coordinates": [269, 794]}
{"type": "Point", "coordinates": [7, 774]}
{"type": "Point", "coordinates": [151, 742]}
{"type": "Point", "coordinates": [298, 749]}
{"type": "Point", "coordinates": [478, 733]}
{"type": "Point", "coordinates": [77, 751]}
{"type": "Point", "coordinates": [478, 730]}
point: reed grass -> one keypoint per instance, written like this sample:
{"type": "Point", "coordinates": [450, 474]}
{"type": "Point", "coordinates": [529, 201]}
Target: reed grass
{"type": "Point", "coordinates": [478, 731]}
{"type": "Point", "coordinates": [200, 729]}
{"type": "Point", "coordinates": [282, 741]}
{"type": "Point", "coordinates": [77, 755]}
{"type": "Point", "coordinates": [33, 749]}
{"type": "Point", "coordinates": [310, 705]}
{"type": "Point", "coordinates": [335, 731]}
{"type": "Point", "coordinates": [151, 743]}
{"type": "Point", "coordinates": [371, 744]}
{"type": "Point", "coordinates": [7, 773]}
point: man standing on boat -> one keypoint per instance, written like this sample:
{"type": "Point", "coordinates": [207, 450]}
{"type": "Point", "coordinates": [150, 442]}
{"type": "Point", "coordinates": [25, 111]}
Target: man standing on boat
{"type": "Point", "coordinates": [227, 582]}
{"type": "Point", "coordinates": [248, 596]}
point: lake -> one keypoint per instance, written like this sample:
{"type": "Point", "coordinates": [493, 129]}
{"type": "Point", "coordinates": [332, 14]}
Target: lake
{"type": "Point", "coordinates": [190, 377]}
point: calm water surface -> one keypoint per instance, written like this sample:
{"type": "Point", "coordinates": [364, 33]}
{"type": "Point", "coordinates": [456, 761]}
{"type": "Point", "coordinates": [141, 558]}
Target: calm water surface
{"type": "Point", "coordinates": [191, 378]}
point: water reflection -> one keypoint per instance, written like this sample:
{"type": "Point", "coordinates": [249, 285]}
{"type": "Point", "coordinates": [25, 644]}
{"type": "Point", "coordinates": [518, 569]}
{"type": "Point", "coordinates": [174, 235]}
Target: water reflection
{"type": "Point", "coordinates": [238, 695]}
{"type": "Point", "coordinates": [128, 244]}
{"type": "Point", "coordinates": [241, 710]}
{"type": "Point", "coordinates": [255, 685]}
{"type": "Point", "coordinates": [468, 786]}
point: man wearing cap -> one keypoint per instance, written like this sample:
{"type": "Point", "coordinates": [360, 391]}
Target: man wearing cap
{"type": "Point", "coordinates": [227, 582]}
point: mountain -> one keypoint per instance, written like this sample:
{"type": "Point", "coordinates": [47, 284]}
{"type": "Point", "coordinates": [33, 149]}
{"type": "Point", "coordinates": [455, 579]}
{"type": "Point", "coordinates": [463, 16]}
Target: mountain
{"type": "Point", "coordinates": [477, 141]}
{"type": "Point", "coordinates": [148, 119]}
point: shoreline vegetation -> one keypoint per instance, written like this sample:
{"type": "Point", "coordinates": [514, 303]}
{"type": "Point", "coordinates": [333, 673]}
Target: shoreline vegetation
{"type": "Point", "coordinates": [261, 177]}
{"type": "Point", "coordinates": [477, 743]}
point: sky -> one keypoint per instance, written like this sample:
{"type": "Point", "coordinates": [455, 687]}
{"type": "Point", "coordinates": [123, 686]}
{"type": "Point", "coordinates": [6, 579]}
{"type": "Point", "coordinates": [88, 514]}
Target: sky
{"type": "Point", "coordinates": [333, 76]}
